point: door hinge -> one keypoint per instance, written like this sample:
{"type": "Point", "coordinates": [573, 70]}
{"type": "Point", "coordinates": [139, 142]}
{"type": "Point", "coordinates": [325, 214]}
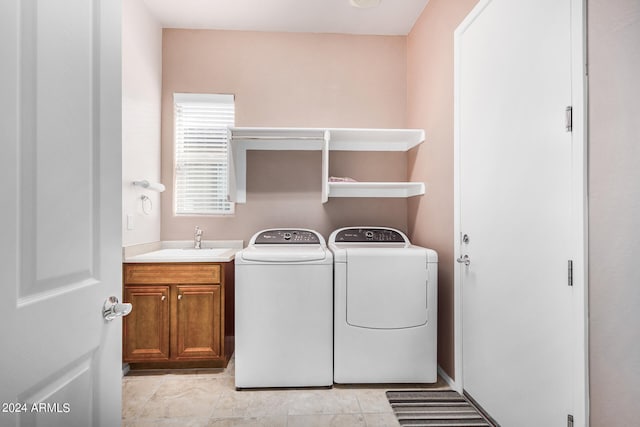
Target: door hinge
{"type": "Point", "coordinates": [569, 420]}
{"type": "Point", "coordinates": [568, 118]}
{"type": "Point", "coordinates": [570, 273]}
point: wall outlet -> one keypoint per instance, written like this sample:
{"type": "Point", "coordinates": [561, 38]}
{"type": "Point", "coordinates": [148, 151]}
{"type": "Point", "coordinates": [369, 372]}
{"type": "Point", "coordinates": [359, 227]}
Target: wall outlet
{"type": "Point", "coordinates": [130, 224]}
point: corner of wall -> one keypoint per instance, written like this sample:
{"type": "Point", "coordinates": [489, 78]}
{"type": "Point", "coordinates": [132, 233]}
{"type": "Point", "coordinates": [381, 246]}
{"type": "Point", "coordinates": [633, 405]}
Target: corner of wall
{"type": "Point", "coordinates": [430, 107]}
{"type": "Point", "coordinates": [141, 94]}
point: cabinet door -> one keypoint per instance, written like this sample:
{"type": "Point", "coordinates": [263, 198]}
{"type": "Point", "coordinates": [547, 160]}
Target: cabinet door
{"type": "Point", "coordinates": [197, 333]}
{"type": "Point", "coordinates": [146, 329]}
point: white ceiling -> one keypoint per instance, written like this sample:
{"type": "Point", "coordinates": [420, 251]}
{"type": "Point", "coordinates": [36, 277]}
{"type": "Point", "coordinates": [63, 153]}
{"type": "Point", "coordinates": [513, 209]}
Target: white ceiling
{"type": "Point", "coordinates": [392, 17]}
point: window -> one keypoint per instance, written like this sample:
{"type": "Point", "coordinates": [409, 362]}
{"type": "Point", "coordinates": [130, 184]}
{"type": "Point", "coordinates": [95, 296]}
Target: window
{"type": "Point", "coordinates": [201, 160]}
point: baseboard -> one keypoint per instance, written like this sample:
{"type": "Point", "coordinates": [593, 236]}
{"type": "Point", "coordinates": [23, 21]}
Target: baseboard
{"type": "Point", "coordinates": [125, 369]}
{"type": "Point", "coordinates": [447, 378]}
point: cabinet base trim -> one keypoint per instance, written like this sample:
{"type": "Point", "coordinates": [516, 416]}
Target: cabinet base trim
{"type": "Point", "coordinates": [179, 365]}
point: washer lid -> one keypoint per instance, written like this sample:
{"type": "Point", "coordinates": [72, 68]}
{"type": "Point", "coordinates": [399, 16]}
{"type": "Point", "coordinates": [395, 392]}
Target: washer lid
{"type": "Point", "coordinates": [284, 253]}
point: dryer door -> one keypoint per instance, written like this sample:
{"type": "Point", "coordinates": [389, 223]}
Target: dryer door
{"type": "Point", "coordinates": [387, 288]}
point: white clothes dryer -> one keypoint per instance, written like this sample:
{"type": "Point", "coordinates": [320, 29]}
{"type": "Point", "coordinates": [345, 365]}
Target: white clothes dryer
{"type": "Point", "coordinates": [284, 310]}
{"type": "Point", "coordinates": [385, 307]}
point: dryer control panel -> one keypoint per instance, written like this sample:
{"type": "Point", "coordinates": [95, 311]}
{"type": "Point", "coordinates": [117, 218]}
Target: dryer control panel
{"type": "Point", "coordinates": [375, 235]}
{"type": "Point", "coordinates": [287, 236]}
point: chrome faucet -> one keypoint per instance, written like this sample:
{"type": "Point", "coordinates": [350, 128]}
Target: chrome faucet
{"type": "Point", "coordinates": [197, 244]}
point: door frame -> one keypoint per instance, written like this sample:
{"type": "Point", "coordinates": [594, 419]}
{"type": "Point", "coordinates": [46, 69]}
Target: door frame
{"type": "Point", "coordinates": [579, 203]}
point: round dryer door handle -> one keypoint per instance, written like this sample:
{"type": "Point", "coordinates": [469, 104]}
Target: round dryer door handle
{"type": "Point", "coordinates": [464, 260]}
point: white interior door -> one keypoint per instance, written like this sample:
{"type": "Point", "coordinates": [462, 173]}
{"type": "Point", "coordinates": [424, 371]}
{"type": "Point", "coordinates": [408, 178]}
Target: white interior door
{"type": "Point", "coordinates": [516, 208]}
{"type": "Point", "coordinates": [60, 115]}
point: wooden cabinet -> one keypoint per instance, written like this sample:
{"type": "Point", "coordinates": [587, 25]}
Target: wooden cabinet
{"type": "Point", "coordinates": [182, 315]}
{"type": "Point", "coordinates": [196, 333]}
{"type": "Point", "coordinates": [146, 329]}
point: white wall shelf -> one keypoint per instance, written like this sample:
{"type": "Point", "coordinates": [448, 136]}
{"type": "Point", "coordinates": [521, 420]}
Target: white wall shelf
{"type": "Point", "coordinates": [242, 139]}
{"type": "Point", "coordinates": [374, 139]}
{"type": "Point", "coordinates": [376, 189]}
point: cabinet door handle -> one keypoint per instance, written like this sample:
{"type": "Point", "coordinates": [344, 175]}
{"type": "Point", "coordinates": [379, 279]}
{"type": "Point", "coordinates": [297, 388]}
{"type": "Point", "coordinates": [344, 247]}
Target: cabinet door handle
{"type": "Point", "coordinates": [163, 298]}
{"type": "Point", "coordinates": [180, 296]}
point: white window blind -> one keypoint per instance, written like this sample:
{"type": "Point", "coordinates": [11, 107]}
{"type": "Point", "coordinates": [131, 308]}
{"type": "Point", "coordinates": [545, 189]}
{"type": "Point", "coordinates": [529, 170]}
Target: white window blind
{"type": "Point", "coordinates": [201, 160]}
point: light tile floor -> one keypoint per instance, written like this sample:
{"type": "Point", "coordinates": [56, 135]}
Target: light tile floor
{"type": "Point", "coordinates": [208, 398]}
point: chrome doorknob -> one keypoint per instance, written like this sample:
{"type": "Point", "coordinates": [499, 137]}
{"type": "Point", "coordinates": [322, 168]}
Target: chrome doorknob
{"type": "Point", "coordinates": [113, 308]}
{"type": "Point", "coordinates": [464, 260]}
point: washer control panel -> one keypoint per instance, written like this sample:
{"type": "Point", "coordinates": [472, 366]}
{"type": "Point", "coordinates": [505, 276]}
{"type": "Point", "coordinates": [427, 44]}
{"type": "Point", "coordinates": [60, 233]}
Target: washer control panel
{"type": "Point", "coordinates": [287, 236]}
{"type": "Point", "coordinates": [375, 235]}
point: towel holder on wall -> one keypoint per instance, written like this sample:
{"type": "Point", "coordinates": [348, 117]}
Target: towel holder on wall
{"type": "Point", "coordinates": [156, 186]}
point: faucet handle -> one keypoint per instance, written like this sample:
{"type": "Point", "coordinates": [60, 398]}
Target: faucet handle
{"type": "Point", "coordinates": [197, 238]}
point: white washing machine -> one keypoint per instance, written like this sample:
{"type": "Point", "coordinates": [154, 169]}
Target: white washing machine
{"type": "Point", "coordinates": [284, 310]}
{"type": "Point", "coordinates": [385, 320]}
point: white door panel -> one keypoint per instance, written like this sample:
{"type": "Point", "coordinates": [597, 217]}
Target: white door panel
{"type": "Point", "coordinates": [60, 115]}
{"type": "Point", "coordinates": [515, 165]}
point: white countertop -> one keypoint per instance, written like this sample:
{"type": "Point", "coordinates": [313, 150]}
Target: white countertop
{"type": "Point", "coordinates": [183, 251]}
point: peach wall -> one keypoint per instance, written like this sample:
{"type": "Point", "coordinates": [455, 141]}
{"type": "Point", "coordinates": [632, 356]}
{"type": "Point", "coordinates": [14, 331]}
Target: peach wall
{"type": "Point", "coordinates": [141, 94]}
{"type": "Point", "coordinates": [430, 106]}
{"type": "Point", "coordinates": [291, 79]}
{"type": "Point", "coordinates": [614, 212]}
